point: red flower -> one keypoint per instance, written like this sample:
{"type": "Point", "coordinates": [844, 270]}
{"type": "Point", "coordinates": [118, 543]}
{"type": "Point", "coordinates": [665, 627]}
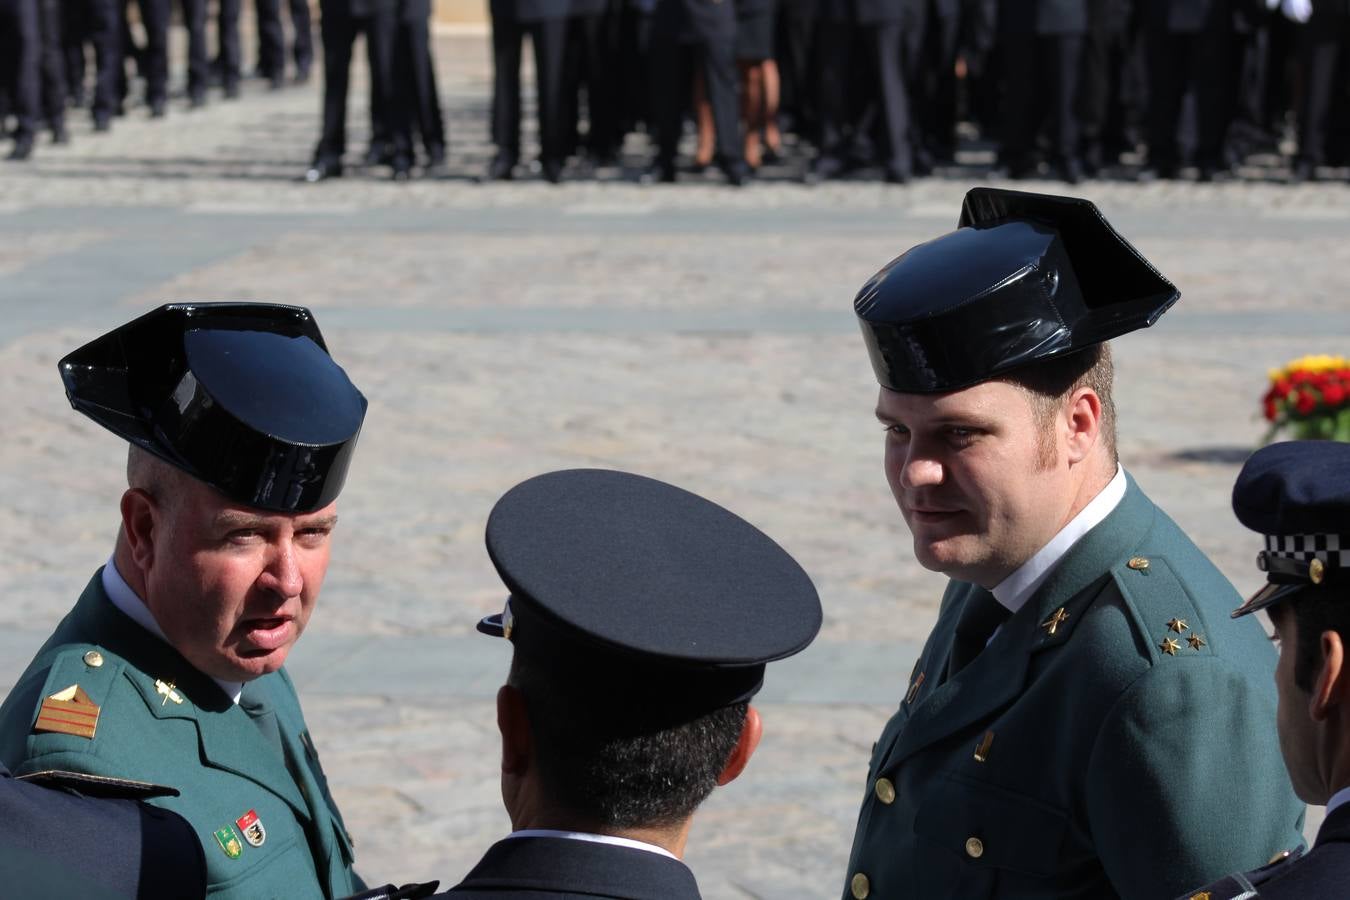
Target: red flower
{"type": "Point", "coordinates": [1333, 394]}
{"type": "Point", "coordinates": [1321, 379]}
{"type": "Point", "coordinates": [1299, 376]}
{"type": "Point", "coordinates": [1305, 403]}
{"type": "Point", "coordinates": [1271, 409]}
{"type": "Point", "coordinates": [1282, 388]}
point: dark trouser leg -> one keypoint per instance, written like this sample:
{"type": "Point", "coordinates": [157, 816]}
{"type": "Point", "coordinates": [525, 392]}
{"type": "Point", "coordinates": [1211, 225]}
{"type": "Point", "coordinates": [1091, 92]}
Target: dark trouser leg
{"type": "Point", "coordinates": [303, 48]}
{"type": "Point", "coordinates": [1064, 54]}
{"type": "Point", "coordinates": [75, 28]}
{"type": "Point", "coordinates": [415, 87]}
{"type": "Point", "coordinates": [1021, 110]}
{"type": "Point", "coordinates": [393, 124]}
{"type": "Point", "coordinates": [271, 39]}
{"type": "Point", "coordinates": [1095, 84]}
{"type": "Point", "coordinates": [719, 73]}
{"type": "Point", "coordinates": [596, 69]}
{"type": "Point", "coordinates": [506, 38]}
{"type": "Point", "coordinates": [835, 39]}
{"type": "Point", "coordinates": [671, 77]}
{"type": "Point", "coordinates": [886, 43]}
{"type": "Point", "coordinates": [1319, 53]}
{"type": "Point", "coordinates": [155, 18]}
{"type": "Point", "coordinates": [338, 31]}
{"type": "Point", "coordinates": [1211, 62]}
{"type": "Point", "coordinates": [227, 28]}
{"type": "Point", "coordinates": [106, 34]}
{"type": "Point", "coordinates": [23, 54]}
{"type": "Point", "coordinates": [53, 65]}
{"type": "Point", "coordinates": [933, 70]}
{"type": "Point", "coordinates": [550, 50]}
{"type": "Point", "coordinates": [194, 19]}
{"type": "Point", "coordinates": [1166, 55]}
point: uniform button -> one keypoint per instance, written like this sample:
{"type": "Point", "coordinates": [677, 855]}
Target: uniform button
{"type": "Point", "coordinates": [885, 791]}
{"type": "Point", "coordinates": [93, 659]}
{"type": "Point", "coordinates": [860, 887]}
{"type": "Point", "coordinates": [1138, 563]}
{"type": "Point", "coordinates": [974, 848]}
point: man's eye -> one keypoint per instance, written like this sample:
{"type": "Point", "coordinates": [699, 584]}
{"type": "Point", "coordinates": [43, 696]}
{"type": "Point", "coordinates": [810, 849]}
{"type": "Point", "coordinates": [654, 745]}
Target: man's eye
{"type": "Point", "coordinates": [896, 430]}
{"type": "Point", "coordinates": [242, 536]}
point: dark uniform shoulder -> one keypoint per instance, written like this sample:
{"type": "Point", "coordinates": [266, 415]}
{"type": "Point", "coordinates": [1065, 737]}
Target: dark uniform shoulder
{"type": "Point", "coordinates": [1246, 885]}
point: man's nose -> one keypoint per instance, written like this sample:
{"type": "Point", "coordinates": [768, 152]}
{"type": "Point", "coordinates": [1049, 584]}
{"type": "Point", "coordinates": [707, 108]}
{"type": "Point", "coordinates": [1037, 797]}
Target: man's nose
{"type": "Point", "coordinates": [920, 471]}
{"type": "Point", "coordinates": [282, 574]}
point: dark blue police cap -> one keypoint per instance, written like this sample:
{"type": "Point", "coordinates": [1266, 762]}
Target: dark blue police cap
{"type": "Point", "coordinates": [1025, 277]}
{"type": "Point", "coordinates": [1297, 494]}
{"type": "Point", "coordinates": [242, 396]}
{"type": "Point", "coordinates": [668, 596]}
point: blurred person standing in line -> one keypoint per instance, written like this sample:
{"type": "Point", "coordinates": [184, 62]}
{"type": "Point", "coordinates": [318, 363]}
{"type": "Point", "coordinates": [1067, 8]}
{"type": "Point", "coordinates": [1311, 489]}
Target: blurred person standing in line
{"type": "Point", "coordinates": [760, 86]}
{"type": "Point", "coordinates": [1041, 42]}
{"type": "Point", "coordinates": [1323, 52]}
{"type": "Point", "coordinates": [545, 22]}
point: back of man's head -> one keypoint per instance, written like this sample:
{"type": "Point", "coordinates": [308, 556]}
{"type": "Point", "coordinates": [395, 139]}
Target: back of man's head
{"type": "Point", "coordinates": [608, 762]}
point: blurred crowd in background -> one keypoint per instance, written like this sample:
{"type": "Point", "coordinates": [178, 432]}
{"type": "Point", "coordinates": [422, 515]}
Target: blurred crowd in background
{"type": "Point", "coordinates": [809, 89]}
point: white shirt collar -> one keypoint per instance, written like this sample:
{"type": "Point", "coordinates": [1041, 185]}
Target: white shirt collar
{"type": "Point", "coordinates": [127, 600]}
{"type": "Point", "coordinates": [1014, 591]}
{"type": "Point", "coordinates": [593, 838]}
{"type": "Point", "coordinates": [1340, 798]}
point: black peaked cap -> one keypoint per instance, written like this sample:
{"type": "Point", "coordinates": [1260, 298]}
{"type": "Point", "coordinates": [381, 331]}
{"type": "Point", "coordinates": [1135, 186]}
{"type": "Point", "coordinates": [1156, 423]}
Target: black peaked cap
{"type": "Point", "coordinates": [1025, 277]}
{"type": "Point", "coordinates": [1297, 494]}
{"type": "Point", "coordinates": [242, 396]}
{"type": "Point", "coordinates": [671, 596]}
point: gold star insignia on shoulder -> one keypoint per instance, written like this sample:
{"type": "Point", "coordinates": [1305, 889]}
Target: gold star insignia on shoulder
{"type": "Point", "coordinates": [1196, 641]}
{"type": "Point", "coordinates": [1053, 623]}
{"type": "Point", "coordinates": [1177, 625]}
{"type": "Point", "coordinates": [1169, 646]}
{"type": "Point", "coordinates": [166, 690]}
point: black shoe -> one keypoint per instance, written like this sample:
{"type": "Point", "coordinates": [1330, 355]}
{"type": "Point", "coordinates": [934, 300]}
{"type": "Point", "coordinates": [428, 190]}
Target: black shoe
{"type": "Point", "coordinates": [378, 156]}
{"type": "Point", "coordinates": [402, 166]}
{"type": "Point", "coordinates": [197, 99]}
{"type": "Point", "coordinates": [23, 148]}
{"type": "Point", "coordinates": [825, 168]}
{"type": "Point", "coordinates": [323, 167]}
{"type": "Point", "coordinates": [60, 135]}
{"type": "Point", "coordinates": [231, 90]}
{"type": "Point", "coordinates": [1302, 170]}
{"type": "Point", "coordinates": [659, 173]}
{"type": "Point", "coordinates": [1211, 172]}
{"type": "Point", "coordinates": [1071, 171]}
{"type": "Point", "coordinates": [302, 76]}
{"type": "Point", "coordinates": [897, 174]}
{"type": "Point", "coordinates": [156, 109]}
{"type": "Point", "coordinates": [736, 171]}
{"type": "Point", "coordinates": [502, 168]}
{"type": "Point", "coordinates": [276, 82]}
{"type": "Point", "coordinates": [552, 170]}
{"type": "Point", "coordinates": [102, 122]}
{"type": "Point", "coordinates": [435, 158]}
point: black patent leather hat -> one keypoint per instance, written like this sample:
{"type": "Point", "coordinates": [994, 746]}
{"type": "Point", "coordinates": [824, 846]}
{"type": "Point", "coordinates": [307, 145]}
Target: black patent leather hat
{"type": "Point", "coordinates": [1025, 277]}
{"type": "Point", "coordinates": [242, 396]}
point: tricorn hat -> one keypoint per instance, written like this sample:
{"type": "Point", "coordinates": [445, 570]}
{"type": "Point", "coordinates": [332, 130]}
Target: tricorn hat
{"type": "Point", "coordinates": [655, 593]}
{"type": "Point", "coordinates": [1297, 494]}
{"type": "Point", "coordinates": [242, 396]}
{"type": "Point", "coordinates": [1025, 277]}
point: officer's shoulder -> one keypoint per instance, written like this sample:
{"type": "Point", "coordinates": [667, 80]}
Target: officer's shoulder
{"type": "Point", "coordinates": [1248, 885]}
{"type": "Point", "coordinates": [62, 706]}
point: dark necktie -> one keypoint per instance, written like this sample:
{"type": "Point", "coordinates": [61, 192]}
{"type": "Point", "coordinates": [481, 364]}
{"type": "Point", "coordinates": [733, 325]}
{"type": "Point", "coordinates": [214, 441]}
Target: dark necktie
{"type": "Point", "coordinates": [980, 618]}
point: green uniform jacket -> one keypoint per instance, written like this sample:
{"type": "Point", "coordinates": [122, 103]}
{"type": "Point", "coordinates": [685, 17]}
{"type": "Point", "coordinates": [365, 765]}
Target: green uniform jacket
{"type": "Point", "coordinates": [191, 737]}
{"type": "Point", "coordinates": [1131, 751]}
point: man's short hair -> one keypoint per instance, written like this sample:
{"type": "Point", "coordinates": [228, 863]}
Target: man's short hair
{"type": "Point", "coordinates": [605, 758]}
{"type": "Point", "coordinates": [1316, 611]}
{"type": "Point", "coordinates": [1050, 382]}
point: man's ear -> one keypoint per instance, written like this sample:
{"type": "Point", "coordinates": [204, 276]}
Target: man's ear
{"type": "Point", "coordinates": [751, 732]}
{"type": "Point", "coordinates": [1329, 688]}
{"type": "Point", "coordinates": [140, 515]}
{"type": "Point", "coordinates": [513, 722]}
{"type": "Point", "coordinates": [1083, 418]}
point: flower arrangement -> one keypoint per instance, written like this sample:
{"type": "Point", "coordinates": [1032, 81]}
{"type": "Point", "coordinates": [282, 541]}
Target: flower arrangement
{"type": "Point", "coordinates": [1311, 398]}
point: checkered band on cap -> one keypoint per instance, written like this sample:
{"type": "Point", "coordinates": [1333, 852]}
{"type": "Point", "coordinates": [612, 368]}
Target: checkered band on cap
{"type": "Point", "coordinates": [1332, 549]}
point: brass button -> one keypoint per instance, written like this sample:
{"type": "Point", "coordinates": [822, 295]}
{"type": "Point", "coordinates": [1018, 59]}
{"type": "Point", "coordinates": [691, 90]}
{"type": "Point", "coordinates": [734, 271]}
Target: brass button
{"type": "Point", "coordinates": [1138, 563]}
{"type": "Point", "coordinates": [885, 791]}
{"type": "Point", "coordinates": [1316, 571]}
{"type": "Point", "coordinates": [860, 887]}
{"type": "Point", "coordinates": [974, 848]}
{"type": "Point", "coordinates": [1279, 857]}
{"type": "Point", "coordinates": [93, 659]}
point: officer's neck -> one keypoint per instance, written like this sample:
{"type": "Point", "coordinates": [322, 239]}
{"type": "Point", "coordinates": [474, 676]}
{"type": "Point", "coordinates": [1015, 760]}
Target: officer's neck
{"type": "Point", "coordinates": [529, 811]}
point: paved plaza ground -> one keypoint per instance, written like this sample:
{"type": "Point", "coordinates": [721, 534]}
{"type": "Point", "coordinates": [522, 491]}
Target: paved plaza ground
{"type": "Point", "coordinates": [695, 333]}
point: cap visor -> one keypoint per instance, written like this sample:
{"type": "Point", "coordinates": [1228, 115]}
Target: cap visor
{"type": "Point", "coordinates": [492, 625]}
{"type": "Point", "coordinates": [1271, 593]}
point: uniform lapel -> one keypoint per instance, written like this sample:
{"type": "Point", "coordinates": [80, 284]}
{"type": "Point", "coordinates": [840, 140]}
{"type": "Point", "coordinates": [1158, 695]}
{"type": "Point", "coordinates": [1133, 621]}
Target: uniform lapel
{"type": "Point", "coordinates": [173, 689]}
{"type": "Point", "coordinates": [997, 676]}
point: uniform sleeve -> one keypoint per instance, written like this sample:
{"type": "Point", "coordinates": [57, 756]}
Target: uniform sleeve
{"type": "Point", "coordinates": [1186, 783]}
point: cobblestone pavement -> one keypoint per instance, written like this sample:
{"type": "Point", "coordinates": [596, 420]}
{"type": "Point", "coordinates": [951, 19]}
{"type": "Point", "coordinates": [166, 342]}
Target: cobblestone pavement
{"type": "Point", "coordinates": [695, 333]}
